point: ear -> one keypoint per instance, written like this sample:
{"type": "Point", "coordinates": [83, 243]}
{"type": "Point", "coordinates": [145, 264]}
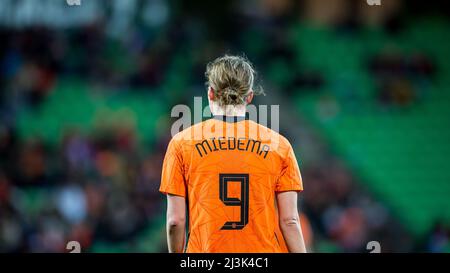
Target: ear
{"type": "Point", "coordinates": [249, 98]}
{"type": "Point", "coordinates": [211, 93]}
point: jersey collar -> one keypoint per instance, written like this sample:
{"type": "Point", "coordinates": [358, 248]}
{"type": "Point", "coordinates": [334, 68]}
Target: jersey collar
{"type": "Point", "coordinates": [229, 118]}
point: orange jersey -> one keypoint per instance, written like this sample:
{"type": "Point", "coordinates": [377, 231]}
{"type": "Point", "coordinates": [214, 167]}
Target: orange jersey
{"type": "Point", "coordinates": [229, 172]}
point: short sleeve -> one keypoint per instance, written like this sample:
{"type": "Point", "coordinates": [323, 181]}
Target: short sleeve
{"type": "Point", "coordinates": [290, 178]}
{"type": "Point", "coordinates": [172, 178]}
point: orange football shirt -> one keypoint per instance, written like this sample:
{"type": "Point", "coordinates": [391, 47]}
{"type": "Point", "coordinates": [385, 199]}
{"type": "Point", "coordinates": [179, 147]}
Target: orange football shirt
{"type": "Point", "coordinates": [229, 169]}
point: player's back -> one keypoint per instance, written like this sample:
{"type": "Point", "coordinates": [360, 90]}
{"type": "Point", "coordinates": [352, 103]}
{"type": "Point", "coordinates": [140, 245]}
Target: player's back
{"type": "Point", "coordinates": [229, 171]}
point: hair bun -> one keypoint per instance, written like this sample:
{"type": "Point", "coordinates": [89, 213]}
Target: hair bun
{"type": "Point", "coordinates": [230, 92]}
{"type": "Point", "coordinates": [231, 95]}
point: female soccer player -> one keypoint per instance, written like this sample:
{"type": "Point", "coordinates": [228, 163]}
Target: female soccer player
{"type": "Point", "coordinates": [229, 171]}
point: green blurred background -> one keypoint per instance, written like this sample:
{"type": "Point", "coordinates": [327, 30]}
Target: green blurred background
{"type": "Point", "coordinates": [86, 95]}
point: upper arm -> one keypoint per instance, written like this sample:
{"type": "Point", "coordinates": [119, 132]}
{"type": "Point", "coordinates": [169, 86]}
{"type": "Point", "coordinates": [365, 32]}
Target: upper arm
{"type": "Point", "coordinates": [176, 209]}
{"type": "Point", "coordinates": [287, 205]}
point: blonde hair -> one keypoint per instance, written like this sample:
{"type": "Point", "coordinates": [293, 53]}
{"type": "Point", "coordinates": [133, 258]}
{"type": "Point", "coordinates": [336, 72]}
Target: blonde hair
{"type": "Point", "coordinates": [231, 78]}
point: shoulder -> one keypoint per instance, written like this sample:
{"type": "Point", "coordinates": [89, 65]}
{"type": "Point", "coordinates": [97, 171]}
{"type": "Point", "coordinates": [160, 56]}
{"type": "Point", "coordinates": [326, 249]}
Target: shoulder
{"type": "Point", "coordinates": [189, 134]}
{"type": "Point", "coordinates": [272, 136]}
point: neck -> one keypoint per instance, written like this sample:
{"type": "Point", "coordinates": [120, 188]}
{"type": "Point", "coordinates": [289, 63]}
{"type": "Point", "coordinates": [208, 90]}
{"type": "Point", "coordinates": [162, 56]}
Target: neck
{"type": "Point", "coordinates": [229, 110]}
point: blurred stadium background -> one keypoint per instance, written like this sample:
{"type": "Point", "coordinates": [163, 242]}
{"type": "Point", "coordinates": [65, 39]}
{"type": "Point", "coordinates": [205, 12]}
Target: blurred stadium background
{"type": "Point", "coordinates": [86, 94]}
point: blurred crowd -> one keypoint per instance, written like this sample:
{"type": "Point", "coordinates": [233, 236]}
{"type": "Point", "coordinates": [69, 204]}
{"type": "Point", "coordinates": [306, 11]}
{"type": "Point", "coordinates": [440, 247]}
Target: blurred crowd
{"type": "Point", "coordinates": [104, 185]}
{"type": "Point", "coordinates": [343, 216]}
{"type": "Point", "coordinates": [89, 187]}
